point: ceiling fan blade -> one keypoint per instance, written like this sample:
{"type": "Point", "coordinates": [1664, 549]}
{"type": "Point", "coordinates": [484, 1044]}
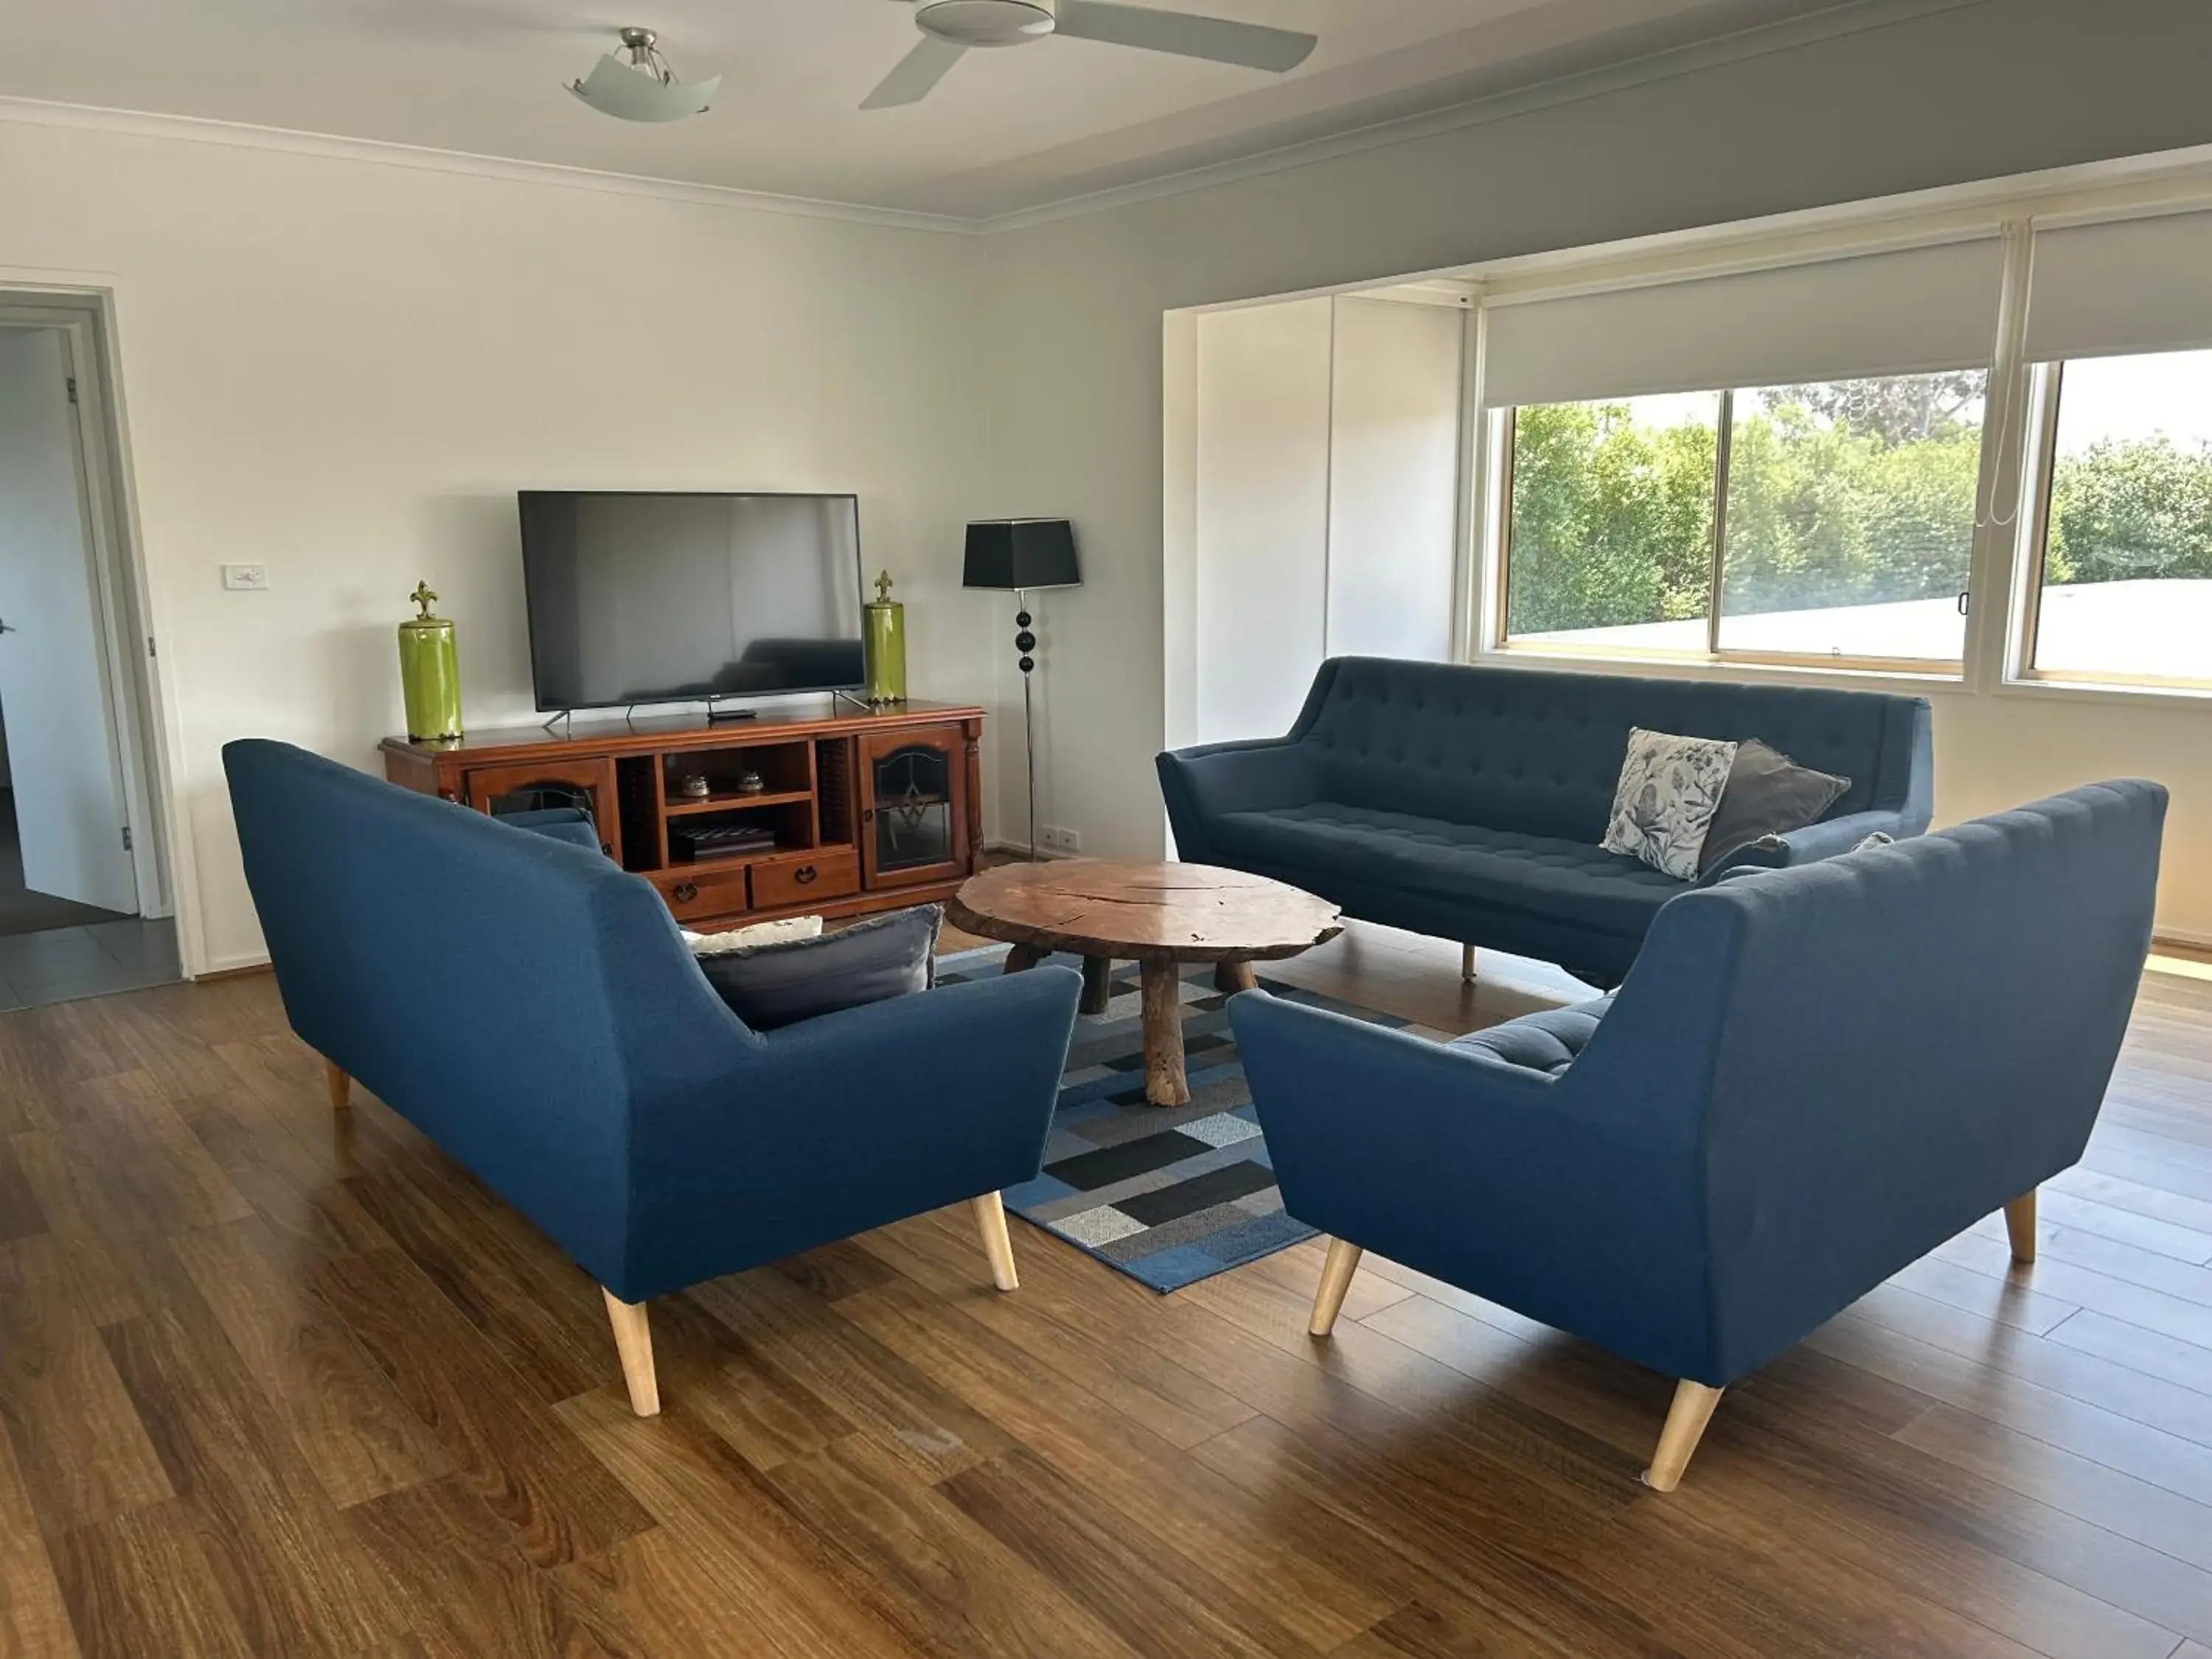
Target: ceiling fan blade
{"type": "Point", "coordinates": [1253, 46]}
{"type": "Point", "coordinates": [916, 73]}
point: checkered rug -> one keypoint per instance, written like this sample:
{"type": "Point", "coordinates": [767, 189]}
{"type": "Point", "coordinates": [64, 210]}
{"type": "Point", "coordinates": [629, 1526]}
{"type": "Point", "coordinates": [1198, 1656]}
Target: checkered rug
{"type": "Point", "coordinates": [1170, 1197]}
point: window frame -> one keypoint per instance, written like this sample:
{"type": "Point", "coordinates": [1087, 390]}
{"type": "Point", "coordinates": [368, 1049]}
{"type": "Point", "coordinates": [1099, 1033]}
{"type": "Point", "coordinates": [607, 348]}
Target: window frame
{"type": "Point", "coordinates": [2045, 401]}
{"type": "Point", "coordinates": [1498, 638]}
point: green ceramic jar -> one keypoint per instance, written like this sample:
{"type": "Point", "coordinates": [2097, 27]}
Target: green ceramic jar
{"type": "Point", "coordinates": [885, 632]}
{"type": "Point", "coordinates": [429, 672]}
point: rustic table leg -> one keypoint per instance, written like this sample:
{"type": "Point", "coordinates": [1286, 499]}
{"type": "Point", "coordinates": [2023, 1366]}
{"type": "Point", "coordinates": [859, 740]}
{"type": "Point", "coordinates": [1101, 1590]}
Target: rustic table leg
{"type": "Point", "coordinates": [1097, 984]}
{"type": "Point", "coordinates": [1164, 1083]}
{"type": "Point", "coordinates": [1022, 958]}
{"type": "Point", "coordinates": [1230, 977]}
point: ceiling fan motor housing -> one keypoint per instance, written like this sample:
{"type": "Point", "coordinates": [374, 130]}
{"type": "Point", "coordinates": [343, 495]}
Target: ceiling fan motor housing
{"type": "Point", "coordinates": [985, 22]}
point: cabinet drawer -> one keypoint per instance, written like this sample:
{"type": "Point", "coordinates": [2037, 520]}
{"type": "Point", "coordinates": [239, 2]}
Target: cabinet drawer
{"type": "Point", "coordinates": [827, 873]}
{"type": "Point", "coordinates": [697, 893]}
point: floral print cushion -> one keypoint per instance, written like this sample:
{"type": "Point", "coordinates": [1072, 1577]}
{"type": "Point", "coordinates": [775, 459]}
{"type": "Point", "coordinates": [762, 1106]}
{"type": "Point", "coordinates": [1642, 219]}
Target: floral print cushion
{"type": "Point", "coordinates": [1670, 787]}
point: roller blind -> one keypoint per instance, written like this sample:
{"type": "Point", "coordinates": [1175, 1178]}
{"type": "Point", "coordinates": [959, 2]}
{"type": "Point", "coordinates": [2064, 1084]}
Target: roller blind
{"type": "Point", "coordinates": [2136, 285]}
{"type": "Point", "coordinates": [1909, 313]}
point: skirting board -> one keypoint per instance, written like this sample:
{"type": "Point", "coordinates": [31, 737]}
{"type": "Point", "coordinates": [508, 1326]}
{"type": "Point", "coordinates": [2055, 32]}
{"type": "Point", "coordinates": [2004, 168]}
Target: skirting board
{"type": "Point", "coordinates": [1020, 849]}
{"type": "Point", "coordinates": [237, 968]}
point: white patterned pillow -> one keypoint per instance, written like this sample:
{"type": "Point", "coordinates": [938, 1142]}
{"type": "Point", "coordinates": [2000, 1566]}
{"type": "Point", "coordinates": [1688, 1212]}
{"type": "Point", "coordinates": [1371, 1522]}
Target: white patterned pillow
{"type": "Point", "coordinates": [781, 932]}
{"type": "Point", "coordinates": [1670, 787]}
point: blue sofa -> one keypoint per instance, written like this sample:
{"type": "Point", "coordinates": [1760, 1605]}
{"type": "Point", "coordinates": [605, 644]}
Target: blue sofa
{"type": "Point", "coordinates": [1811, 1077]}
{"type": "Point", "coordinates": [1469, 802]}
{"type": "Point", "coordinates": [533, 1009]}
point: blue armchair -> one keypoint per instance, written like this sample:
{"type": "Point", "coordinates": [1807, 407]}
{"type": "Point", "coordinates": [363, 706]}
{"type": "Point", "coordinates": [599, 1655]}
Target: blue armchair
{"type": "Point", "coordinates": [1810, 1078]}
{"type": "Point", "coordinates": [532, 1008]}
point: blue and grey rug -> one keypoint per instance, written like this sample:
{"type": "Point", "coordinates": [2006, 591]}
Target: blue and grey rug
{"type": "Point", "coordinates": [1170, 1197]}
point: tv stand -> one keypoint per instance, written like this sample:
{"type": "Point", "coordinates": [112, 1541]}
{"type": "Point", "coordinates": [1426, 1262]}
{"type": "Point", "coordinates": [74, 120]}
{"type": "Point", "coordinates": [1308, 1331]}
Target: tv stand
{"type": "Point", "coordinates": [714, 714]}
{"type": "Point", "coordinates": [816, 811]}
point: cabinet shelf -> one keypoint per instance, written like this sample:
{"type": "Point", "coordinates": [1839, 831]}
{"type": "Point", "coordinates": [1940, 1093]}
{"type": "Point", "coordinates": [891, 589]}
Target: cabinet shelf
{"type": "Point", "coordinates": [720, 861]}
{"type": "Point", "coordinates": [679, 805]}
{"type": "Point", "coordinates": [756, 855]}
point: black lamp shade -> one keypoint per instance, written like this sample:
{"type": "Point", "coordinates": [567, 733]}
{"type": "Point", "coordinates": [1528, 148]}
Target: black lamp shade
{"type": "Point", "coordinates": [1021, 553]}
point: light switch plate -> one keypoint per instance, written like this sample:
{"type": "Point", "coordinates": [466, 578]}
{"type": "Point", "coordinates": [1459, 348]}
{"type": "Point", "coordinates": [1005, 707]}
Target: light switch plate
{"type": "Point", "coordinates": [246, 578]}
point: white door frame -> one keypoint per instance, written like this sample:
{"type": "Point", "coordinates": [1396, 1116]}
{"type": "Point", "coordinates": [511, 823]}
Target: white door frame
{"type": "Point", "coordinates": [142, 693]}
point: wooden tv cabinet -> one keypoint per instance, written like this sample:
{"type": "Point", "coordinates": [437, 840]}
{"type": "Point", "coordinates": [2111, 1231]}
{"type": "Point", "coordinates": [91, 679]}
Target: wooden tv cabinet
{"type": "Point", "coordinates": [856, 810]}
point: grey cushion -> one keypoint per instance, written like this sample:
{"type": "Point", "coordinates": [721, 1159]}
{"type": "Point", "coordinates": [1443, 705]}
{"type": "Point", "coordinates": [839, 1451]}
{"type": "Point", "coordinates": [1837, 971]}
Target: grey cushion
{"type": "Point", "coordinates": [1767, 794]}
{"type": "Point", "coordinates": [771, 985]}
{"type": "Point", "coordinates": [1546, 1042]}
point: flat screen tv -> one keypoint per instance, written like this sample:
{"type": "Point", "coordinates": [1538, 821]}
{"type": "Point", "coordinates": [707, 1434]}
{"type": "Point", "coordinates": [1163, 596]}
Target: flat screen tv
{"type": "Point", "coordinates": [637, 599]}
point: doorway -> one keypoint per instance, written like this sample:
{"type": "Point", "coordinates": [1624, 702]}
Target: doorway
{"type": "Point", "coordinates": [83, 897]}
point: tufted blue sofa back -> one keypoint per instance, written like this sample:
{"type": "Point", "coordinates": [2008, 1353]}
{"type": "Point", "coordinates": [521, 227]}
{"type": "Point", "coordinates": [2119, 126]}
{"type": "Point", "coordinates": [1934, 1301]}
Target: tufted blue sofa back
{"type": "Point", "coordinates": [1541, 752]}
{"type": "Point", "coordinates": [476, 977]}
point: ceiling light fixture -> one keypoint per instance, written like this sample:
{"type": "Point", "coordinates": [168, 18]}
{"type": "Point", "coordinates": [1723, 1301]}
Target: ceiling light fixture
{"type": "Point", "coordinates": [645, 89]}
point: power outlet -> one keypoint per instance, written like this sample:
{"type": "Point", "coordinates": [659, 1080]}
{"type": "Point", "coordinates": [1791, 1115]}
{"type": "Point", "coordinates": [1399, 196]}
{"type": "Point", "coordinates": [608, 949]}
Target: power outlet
{"type": "Point", "coordinates": [1051, 838]}
{"type": "Point", "coordinates": [246, 578]}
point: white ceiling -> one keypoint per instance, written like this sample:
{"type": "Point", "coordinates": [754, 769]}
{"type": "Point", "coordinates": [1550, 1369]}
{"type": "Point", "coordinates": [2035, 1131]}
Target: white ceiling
{"type": "Point", "coordinates": [1006, 130]}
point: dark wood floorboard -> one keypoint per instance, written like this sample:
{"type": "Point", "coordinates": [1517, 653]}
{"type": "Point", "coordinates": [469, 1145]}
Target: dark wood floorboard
{"type": "Point", "coordinates": [281, 1383]}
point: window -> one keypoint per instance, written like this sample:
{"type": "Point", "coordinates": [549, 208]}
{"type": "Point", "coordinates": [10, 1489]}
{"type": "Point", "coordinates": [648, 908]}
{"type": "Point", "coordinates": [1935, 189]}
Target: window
{"type": "Point", "coordinates": [1845, 527]}
{"type": "Point", "coordinates": [2125, 565]}
{"type": "Point", "coordinates": [1611, 541]}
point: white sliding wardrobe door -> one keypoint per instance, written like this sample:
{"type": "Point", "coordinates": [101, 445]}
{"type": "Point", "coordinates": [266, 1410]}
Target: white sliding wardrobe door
{"type": "Point", "coordinates": [1393, 478]}
{"type": "Point", "coordinates": [1263, 437]}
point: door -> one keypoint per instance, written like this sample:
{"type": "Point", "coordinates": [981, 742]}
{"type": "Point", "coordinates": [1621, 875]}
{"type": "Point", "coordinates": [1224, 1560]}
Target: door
{"type": "Point", "coordinates": [528, 786]}
{"type": "Point", "coordinates": [64, 760]}
{"type": "Point", "coordinates": [914, 805]}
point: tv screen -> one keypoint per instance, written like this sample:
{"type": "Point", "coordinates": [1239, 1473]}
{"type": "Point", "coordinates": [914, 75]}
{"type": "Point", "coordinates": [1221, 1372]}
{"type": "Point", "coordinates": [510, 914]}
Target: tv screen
{"type": "Point", "coordinates": [679, 597]}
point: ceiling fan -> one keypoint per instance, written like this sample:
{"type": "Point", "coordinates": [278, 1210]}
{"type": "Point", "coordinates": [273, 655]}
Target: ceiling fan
{"type": "Point", "coordinates": [949, 28]}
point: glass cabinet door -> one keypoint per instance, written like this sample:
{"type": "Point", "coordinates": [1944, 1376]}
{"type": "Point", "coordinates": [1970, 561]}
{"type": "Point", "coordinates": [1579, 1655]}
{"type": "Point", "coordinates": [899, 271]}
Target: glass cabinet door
{"type": "Point", "coordinates": [914, 814]}
{"type": "Point", "coordinates": [531, 786]}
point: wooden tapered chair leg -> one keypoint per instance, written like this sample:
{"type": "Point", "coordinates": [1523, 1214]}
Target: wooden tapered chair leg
{"type": "Point", "coordinates": [2019, 1226]}
{"type": "Point", "coordinates": [339, 1084]}
{"type": "Point", "coordinates": [1336, 1272]}
{"type": "Point", "coordinates": [1685, 1423]}
{"type": "Point", "coordinates": [1467, 964]}
{"type": "Point", "coordinates": [991, 1222]}
{"type": "Point", "coordinates": [634, 1341]}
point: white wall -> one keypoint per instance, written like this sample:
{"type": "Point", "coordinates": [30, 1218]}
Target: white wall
{"type": "Point", "coordinates": [1955, 95]}
{"type": "Point", "coordinates": [344, 368]}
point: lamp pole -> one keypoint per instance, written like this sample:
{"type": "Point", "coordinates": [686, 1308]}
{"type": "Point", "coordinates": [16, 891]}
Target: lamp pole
{"type": "Point", "coordinates": [1025, 642]}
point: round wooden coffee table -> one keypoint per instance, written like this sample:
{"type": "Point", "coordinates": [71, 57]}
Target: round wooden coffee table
{"type": "Point", "coordinates": [1158, 916]}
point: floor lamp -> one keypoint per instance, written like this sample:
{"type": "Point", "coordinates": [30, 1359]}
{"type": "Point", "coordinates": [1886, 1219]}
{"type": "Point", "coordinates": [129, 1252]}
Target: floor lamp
{"type": "Point", "coordinates": [1018, 556]}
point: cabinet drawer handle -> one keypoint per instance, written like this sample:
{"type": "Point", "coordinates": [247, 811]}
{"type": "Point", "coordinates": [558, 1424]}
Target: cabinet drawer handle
{"type": "Point", "coordinates": [684, 892]}
{"type": "Point", "coordinates": [803, 875]}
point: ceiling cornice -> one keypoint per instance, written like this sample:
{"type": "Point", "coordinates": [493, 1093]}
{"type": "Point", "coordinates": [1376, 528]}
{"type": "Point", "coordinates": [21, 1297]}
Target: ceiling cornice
{"type": "Point", "coordinates": [1845, 17]}
{"type": "Point", "coordinates": [1756, 40]}
{"type": "Point", "coordinates": [379, 152]}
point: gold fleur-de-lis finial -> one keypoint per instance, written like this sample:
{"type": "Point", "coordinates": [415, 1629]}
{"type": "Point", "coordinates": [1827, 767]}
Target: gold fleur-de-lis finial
{"type": "Point", "coordinates": [884, 588]}
{"type": "Point", "coordinates": [423, 596]}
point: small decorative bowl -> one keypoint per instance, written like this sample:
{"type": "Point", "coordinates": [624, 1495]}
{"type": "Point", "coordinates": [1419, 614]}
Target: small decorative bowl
{"type": "Point", "coordinates": [751, 783]}
{"type": "Point", "coordinates": [694, 787]}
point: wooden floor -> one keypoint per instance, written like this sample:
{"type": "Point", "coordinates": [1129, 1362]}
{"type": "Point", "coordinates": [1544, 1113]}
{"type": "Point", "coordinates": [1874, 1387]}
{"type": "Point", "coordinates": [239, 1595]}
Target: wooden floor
{"type": "Point", "coordinates": [283, 1383]}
